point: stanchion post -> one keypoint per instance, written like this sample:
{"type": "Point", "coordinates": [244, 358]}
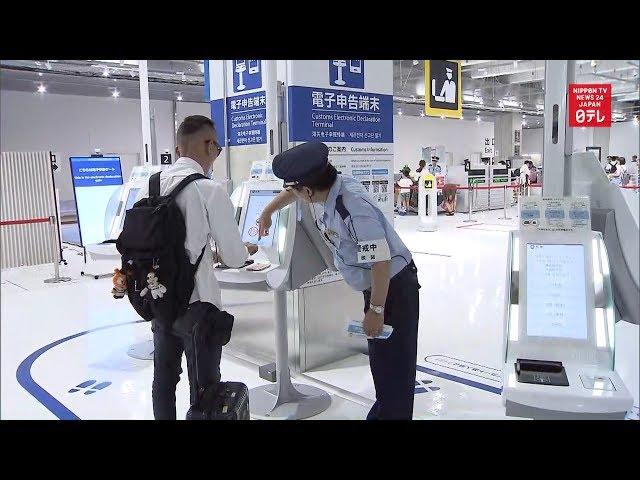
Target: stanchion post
{"type": "Point", "coordinates": [505, 204]}
{"type": "Point", "coordinates": [56, 254]}
{"type": "Point", "coordinates": [469, 219]}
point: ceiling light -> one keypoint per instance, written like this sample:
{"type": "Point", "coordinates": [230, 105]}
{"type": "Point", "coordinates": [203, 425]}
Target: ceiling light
{"type": "Point", "coordinates": [472, 98]}
{"type": "Point", "coordinates": [523, 117]}
{"type": "Point", "coordinates": [48, 65]}
{"type": "Point", "coordinates": [115, 93]}
{"type": "Point", "coordinates": [179, 97]}
{"type": "Point", "coordinates": [515, 64]}
{"type": "Point", "coordinates": [478, 112]}
{"type": "Point", "coordinates": [540, 106]}
{"type": "Point", "coordinates": [421, 113]}
{"type": "Point", "coordinates": [39, 74]}
{"type": "Point", "coordinates": [42, 88]}
{"type": "Point", "coordinates": [524, 123]}
{"type": "Point", "coordinates": [399, 112]}
{"type": "Point", "coordinates": [441, 116]}
{"type": "Point", "coordinates": [461, 117]}
{"type": "Point", "coordinates": [105, 73]}
{"type": "Point", "coordinates": [478, 119]}
{"type": "Point", "coordinates": [510, 103]}
{"type": "Point", "coordinates": [420, 89]}
{"type": "Point", "coordinates": [416, 62]}
{"type": "Point", "coordinates": [594, 63]}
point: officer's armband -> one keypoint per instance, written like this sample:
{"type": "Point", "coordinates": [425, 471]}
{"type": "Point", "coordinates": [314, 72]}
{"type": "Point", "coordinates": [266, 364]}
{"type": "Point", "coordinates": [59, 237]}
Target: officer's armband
{"type": "Point", "coordinates": [371, 251]}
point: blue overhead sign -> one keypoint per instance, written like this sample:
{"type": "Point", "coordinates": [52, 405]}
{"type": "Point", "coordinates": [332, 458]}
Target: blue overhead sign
{"type": "Point", "coordinates": [339, 116]}
{"type": "Point", "coordinates": [247, 75]}
{"type": "Point", "coordinates": [346, 73]}
{"type": "Point", "coordinates": [247, 119]}
{"type": "Point", "coordinates": [96, 172]}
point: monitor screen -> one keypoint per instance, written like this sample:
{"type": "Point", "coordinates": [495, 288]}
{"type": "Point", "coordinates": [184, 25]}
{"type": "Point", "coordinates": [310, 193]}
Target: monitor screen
{"type": "Point", "coordinates": [556, 291]}
{"type": "Point", "coordinates": [258, 199]}
{"type": "Point", "coordinates": [95, 181]}
{"type": "Point", "coordinates": [131, 199]}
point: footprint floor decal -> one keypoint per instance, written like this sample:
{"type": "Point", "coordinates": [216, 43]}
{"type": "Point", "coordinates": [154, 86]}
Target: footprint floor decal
{"type": "Point", "coordinates": [89, 387]}
{"type": "Point", "coordinates": [425, 386]}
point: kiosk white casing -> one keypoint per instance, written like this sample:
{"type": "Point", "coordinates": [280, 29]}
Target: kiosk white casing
{"type": "Point", "coordinates": [582, 339]}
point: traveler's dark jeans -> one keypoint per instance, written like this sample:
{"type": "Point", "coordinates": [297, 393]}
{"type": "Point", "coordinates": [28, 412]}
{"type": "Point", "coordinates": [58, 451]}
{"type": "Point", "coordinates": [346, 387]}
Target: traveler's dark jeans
{"type": "Point", "coordinates": [393, 361]}
{"type": "Point", "coordinates": [168, 344]}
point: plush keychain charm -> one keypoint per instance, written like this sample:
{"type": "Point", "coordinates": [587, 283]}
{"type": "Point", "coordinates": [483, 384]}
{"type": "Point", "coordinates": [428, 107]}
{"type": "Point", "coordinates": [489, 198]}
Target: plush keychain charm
{"type": "Point", "coordinates": [154, 286]}
{"type": "Point", "coordinates": [119, 284]}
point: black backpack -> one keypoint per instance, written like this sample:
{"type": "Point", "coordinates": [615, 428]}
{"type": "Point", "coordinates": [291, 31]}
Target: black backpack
{"type": "Point", "coordinates": [159, 274]}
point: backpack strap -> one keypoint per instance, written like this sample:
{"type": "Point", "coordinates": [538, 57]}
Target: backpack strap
{"type": "Point", "coordinates": [184, 182]}
{"type": "Point", "coordinates": [195, 267]}
{"type": "Point", "coordinates": [154, 185]}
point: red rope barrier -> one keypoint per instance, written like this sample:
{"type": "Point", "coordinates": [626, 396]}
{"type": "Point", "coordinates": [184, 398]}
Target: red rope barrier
{"type": "Point", "coordinates": [478, 187]}
{"type": "Point", "coordinates": [24, 222]}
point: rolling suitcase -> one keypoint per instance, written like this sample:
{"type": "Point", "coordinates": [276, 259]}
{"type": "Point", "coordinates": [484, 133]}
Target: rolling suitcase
{"type": "Point", "coordinates": [223, 400]}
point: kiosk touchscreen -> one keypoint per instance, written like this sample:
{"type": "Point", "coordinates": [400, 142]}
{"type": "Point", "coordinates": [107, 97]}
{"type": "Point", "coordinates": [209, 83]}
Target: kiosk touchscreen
{"type": "Point", "coordinates": [257, 200]}
{"type": "Point", "coordinates": [95, 181]}
{"type": "Point", "coordinates": [559, 331]}
{"type": "Point", "coordinates": [556, 291]}
{"type": "Point", "coordinates": [131, 199]}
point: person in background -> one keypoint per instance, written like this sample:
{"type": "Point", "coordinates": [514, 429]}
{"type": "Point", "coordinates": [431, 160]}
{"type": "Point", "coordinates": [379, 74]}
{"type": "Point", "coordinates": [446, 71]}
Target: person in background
{"type": "Point", "coordinates": [614, 172]}
{"type": "Point", "coordinates": [449, 202]}
{"type": "Point", "coordinates": [434, 168]}
{"type": "Point", "coordinates": [607, 166]}
{"type": "Point", "coordinates": [524, 177]}
{"type": "Point", "coordinates": [624, 175]}
{"type": "Point", "coordinates": [421, 166]}
{"type": "Point", "coordinates": [533, 173]}
{"type": "Point", "coordinates": [633, 170]}
{"type": "Point", "coordinates": [405, 184]}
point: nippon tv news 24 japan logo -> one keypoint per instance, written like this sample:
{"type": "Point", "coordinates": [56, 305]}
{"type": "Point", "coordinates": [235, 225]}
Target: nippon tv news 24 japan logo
{"type": "Point", "coordinates": [590, 105]}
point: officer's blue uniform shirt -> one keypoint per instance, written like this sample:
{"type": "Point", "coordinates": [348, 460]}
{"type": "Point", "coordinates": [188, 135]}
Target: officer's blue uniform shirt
{"type": "Point", "coordinates": [364, 227]}
{"type": "Point", "coordinates": [434, 169]}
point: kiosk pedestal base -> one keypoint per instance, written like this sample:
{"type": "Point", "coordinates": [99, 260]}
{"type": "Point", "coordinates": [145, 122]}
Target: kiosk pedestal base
{"type": "Point", "coordinates": [298, 402]}
{"type": "Point", "coordinates": [284, 401]}
{"type": "Point", "coordinates": [142, 350]}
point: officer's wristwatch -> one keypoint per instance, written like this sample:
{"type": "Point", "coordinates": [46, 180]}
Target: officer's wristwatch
{"type": "Point", "coordinates": [376, 308]}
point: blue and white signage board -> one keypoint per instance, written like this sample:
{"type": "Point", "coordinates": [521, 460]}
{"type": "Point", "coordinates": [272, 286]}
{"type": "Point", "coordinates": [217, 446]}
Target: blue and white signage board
{"type": "Point", "coordinates": [347, 104]}
{"type": "Point", "coordinates": [95, 181]}
{"type": "Point", "coordinates": [240, 92]}
{"type": "Point", "coordinates": [246, 103]}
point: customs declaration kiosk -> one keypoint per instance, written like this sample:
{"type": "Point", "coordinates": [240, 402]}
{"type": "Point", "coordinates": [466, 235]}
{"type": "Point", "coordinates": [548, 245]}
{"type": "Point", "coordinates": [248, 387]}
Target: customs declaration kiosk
{"type": "Point", "coordinates": [102, 258]}
{"type": "Point", "coordinates": [559, 333]}
{"type": "Point", "coordinates": [293, 253]}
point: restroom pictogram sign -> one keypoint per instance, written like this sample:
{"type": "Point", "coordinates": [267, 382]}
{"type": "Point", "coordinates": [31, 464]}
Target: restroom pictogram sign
{"type": "Point", "coordinates": [590, 105]}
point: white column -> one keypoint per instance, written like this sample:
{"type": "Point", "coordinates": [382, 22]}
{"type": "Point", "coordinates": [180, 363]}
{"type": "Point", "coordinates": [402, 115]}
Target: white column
{"type": "Point", "coordinates": [555, 115]}
{"type": "Point", "coordinates": [146, 153]}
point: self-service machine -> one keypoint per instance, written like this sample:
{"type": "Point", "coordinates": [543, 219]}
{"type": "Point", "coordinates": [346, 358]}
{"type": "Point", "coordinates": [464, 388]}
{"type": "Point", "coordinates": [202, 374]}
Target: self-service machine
{"type": "Point", "coordinates": [289, 261]}
{"type": "Point", "coordinates": [102, 258]}
{"type": "Point", "coordinates": [559, 333]}
{"type": "Point", "coordinates": [427, 203]}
